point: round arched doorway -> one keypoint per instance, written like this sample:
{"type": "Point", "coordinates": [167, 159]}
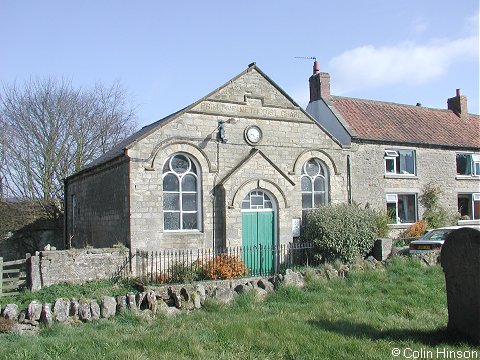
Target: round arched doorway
{"type": "Point", "coordinates": [258, 232]}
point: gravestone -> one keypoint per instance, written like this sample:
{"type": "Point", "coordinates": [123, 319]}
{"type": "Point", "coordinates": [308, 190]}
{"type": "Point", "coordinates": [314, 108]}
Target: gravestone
{"type": "Point", "coordinates": [460, 258]}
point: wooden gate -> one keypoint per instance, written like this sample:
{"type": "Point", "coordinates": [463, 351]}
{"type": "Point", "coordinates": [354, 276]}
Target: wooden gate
{"type": "Point", "coordinates": [13, 276]}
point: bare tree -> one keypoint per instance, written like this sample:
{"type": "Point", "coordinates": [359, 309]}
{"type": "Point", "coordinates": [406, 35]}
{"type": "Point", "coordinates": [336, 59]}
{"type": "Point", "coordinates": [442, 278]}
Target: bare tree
{"type": "Point", "coordinates": [51, 130]}
{"type": "Point", "coordinates": [3, 166]}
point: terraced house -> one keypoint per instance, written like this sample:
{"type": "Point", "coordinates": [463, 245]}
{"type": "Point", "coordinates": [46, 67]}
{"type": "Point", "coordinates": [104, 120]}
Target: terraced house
{"type": "Point", "coordinates": [242, 165]}
{"type": "Point", "coordinates": [396, 150]}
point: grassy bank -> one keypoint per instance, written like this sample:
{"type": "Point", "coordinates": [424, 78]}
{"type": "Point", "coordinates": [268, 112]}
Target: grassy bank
{"type": "Point", "coordinates": [364, 316]}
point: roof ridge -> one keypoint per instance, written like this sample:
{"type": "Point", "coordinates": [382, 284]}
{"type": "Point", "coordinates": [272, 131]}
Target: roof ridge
{"type": "Point", "coordinates": [391, 103]}
{"type": "Point", "coordinates": [400, 123]}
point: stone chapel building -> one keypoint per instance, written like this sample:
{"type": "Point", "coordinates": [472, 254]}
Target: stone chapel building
{"type": "Point", "coordinates": [243, 164]}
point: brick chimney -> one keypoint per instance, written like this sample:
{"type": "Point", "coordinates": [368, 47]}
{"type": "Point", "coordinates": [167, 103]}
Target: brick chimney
{"type": "Point", "coordinates": [319, 84]}
{"type": "Point", "coordinates": [458, 105]}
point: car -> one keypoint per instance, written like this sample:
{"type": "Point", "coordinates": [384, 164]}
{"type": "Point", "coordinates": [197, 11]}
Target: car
{"type": "Point", "coordinates": [433, 240]}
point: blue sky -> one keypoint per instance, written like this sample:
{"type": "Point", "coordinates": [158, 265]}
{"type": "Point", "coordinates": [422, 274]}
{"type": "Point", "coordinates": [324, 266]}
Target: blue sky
{"type": "Point", "coordinates": [169, 54]}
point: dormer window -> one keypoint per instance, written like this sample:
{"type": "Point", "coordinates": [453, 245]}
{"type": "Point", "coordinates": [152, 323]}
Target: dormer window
{"type": "Point", "coordinates": [399, 162]}
{"type": "Point", "coordinates": [468, 164]}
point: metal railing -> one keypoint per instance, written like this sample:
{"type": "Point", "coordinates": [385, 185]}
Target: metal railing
{"type": "Point", "coordinates": [178, 266]}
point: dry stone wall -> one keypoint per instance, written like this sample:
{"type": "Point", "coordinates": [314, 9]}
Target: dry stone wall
{"type": "Point", "coordinates": [75, 266]}
{"type": "Point", "coordinates": [168, 300]}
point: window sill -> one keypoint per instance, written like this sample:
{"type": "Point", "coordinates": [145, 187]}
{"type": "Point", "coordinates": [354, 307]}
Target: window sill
{"type": "Point", "coordinates": [401, 176]}
{"type": "Point", "coordinates": [400, 226]}
{"type": "Point", "coordinates": [183, 232]}
{"type": "Point", "coordinates": [468, 222]}
{"type": "Point", "coordinates": [467, 177]}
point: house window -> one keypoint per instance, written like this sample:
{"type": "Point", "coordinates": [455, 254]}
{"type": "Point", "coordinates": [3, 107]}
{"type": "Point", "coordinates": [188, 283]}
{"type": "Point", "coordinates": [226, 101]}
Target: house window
{"type": "Point", "coordinates": [314, 185]}
{"type": "Point", "coordinates": [468, 164]}
{"type": "Point", "coordinates": [181, 200]}
{"type": "Point", "coordinates": [402, 208]}
{"type": "Point", "coordinates": [469, 206]}
{"type": "Point", "coordinates": [400, 162]}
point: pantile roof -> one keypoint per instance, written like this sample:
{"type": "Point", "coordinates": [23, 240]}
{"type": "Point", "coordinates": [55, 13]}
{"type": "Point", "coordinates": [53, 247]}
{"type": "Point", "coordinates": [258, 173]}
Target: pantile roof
{"type": "Point", "coordinates": [390, 122]}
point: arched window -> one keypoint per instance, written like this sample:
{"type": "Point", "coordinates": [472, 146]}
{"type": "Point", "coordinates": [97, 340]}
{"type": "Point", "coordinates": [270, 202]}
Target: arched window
{"type": "Point", "coordinates": [257, 200]}
{"type": "Point", "coordinates": [314, 183]}
{"type": "Point", "coordinates": [181, 195]}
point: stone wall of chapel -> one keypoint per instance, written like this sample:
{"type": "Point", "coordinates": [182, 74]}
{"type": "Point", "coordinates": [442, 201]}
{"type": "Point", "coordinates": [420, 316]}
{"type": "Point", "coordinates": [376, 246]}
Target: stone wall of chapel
{"type": "Point", "coordinates": [254, 86]}
{"type": "Point", "coordinates": [282, 144]}
{"type": "Point", "coordinates": [101, 214]}
{"type": "Point", "coordinates": [370, 184]}
{"type": "Point", "coordinates": [288, 134]}
{"type": "Point", "coordinates": [122, 200]}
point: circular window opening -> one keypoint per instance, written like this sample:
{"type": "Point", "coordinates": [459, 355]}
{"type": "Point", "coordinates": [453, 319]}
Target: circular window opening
{"type": "Point", "coordinates": [180, 164]}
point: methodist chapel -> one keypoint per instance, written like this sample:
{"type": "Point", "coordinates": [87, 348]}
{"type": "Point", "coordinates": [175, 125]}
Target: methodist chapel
{"type": "Point", "coordinates": [242, 165]}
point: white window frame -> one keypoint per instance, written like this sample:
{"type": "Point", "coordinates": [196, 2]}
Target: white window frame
{"type": "Point", "coordinates": [393, 155]}
{"type": "Point", "coordinates": [198, 211]}
{"type": "Point", "coordinates": [312, 193]}
{"type": "Point", "coordinates": [392, 198]}
{"type": "Point", "coordinates": [473, 163]}
{"type": "Point", "coordinates": [474, 197]}
{"type": "Point", "coordinates": [268, 205]}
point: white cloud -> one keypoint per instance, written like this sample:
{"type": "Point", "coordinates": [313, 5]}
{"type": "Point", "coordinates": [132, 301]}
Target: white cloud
{"type": "Point", "coordinates": [408, 63]}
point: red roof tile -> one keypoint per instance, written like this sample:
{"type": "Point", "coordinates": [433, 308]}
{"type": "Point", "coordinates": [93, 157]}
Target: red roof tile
{"type": "Point", "coordinates": [383, 121]}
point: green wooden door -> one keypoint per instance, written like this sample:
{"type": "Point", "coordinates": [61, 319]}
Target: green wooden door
{"type": "Point", "coordinates": [265, 239]}
{"type": "Point", "coordinates": [258, 241]}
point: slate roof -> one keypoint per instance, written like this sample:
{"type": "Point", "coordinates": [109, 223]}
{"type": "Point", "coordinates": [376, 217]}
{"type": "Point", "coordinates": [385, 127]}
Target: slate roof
{"type": "Point", "coordinates": [389, 122]}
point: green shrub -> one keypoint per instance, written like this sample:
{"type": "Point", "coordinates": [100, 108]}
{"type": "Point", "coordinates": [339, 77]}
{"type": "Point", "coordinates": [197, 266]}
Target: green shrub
{"type": "Point", "coordinates": [382, 220]}
{"type": "Point", "coordinates": [434, 214]}
{"type": "Point", "coordinates": [182, 273]}
{"type": "Point", "coordinates": [340, 232]}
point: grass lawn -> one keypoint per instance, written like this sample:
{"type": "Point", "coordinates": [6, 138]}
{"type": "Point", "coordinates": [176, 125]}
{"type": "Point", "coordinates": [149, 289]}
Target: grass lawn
{"type": "Point", "coordinates": [362, 317]}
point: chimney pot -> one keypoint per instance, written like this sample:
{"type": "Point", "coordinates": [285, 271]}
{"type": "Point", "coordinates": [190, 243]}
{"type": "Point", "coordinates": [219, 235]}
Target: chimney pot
{"type": "Point", "coordinates": [319, 84]}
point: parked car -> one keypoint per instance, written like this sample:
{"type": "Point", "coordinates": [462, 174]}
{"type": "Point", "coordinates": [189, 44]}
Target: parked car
{"type": "Point", "coordinates": [433, 239]}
